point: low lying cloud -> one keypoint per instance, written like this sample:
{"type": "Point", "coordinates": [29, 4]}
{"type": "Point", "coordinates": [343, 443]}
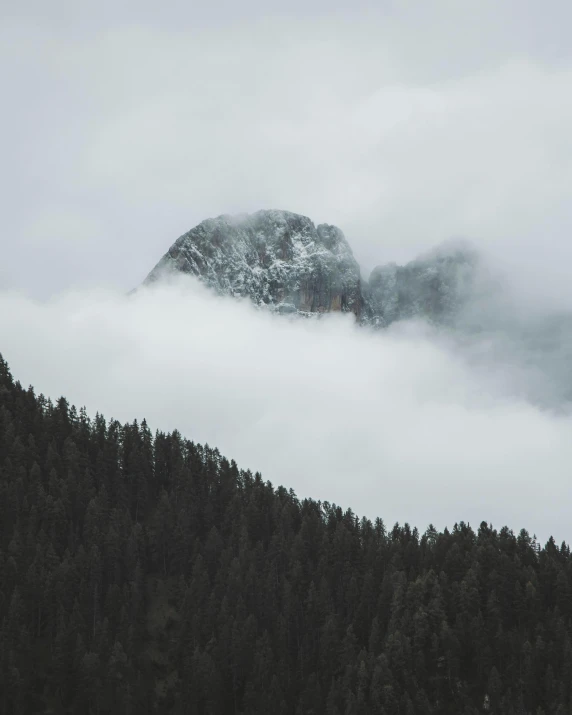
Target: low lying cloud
{"type": "Point", "coordinates": [397, 423]}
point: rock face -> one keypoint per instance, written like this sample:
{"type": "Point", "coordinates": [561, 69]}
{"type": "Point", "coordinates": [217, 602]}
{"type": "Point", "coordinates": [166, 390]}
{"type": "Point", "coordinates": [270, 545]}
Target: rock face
{"type": "Point", "coordinates": [281, 260]}
{"type": "Point", "coordinates": [276, 258]}
{"type": "Point", "coordinates": [435, 287]}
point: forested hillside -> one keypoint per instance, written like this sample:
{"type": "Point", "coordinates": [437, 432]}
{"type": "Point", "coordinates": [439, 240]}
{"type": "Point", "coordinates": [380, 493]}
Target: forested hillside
{"type": "Point", "coordinates": [144, 573]}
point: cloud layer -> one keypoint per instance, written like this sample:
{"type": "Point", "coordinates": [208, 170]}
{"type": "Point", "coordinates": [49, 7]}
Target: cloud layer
{"type": "Point", "coordinates": [394, 424]}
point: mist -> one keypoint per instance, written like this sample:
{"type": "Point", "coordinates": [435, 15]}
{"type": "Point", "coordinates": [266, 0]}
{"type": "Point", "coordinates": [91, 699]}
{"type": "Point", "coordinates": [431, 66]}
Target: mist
{"type": "Point", "coordinates": [396, 423]}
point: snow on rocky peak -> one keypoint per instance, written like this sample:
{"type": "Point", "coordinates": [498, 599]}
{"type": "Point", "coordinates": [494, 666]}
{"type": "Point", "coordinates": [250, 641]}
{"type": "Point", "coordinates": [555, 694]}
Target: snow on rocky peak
{"type": "Point", "coordinates": [277, 259]}
{"type": "Point", "coordinates": [282, 261]}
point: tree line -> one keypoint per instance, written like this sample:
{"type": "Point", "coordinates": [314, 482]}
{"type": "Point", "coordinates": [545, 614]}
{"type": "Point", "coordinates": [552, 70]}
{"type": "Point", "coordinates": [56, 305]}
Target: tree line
{"type": "Point", "coordinates": [144, 573]}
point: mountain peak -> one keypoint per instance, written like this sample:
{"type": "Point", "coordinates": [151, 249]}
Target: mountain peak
{"type": "Point", "coordinates": [278, 259]}
{"type": "Point", "coordinates": [283, 261]}
{"type": "Point", "coordinates": [435, 285]}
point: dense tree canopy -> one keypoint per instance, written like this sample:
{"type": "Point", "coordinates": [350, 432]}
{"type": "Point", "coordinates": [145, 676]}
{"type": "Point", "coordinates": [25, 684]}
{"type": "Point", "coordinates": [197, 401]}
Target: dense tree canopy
{"type": "Point", "coordinates": [148, 574]}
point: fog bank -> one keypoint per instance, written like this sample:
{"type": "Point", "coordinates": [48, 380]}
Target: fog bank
{"type": "Point", "coordinates": [398, 423]}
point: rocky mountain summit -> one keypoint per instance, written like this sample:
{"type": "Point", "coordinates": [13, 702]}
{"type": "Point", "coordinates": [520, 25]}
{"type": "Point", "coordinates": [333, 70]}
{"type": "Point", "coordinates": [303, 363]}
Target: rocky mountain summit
{"type": "Point", "coordinates": [436, 286]}
{"type": "Point", "coordinates": [276, 258]}
{"type": "Point", "coordinates": [281, 260]}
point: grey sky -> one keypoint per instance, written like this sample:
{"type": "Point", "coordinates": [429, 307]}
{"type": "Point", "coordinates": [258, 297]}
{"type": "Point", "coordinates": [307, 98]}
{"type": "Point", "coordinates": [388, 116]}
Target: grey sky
{"type": "Point", "coordinates": [405, 123]}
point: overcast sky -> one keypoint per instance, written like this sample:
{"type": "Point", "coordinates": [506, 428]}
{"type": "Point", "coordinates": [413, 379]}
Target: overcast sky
{"type": "Point", "coordinates": [405, 123]}
{"type": "Point", "coordinates": [123, 125]}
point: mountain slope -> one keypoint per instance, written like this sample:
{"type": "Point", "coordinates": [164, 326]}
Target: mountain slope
{"type": "Point", "coordinates": [147, 574]}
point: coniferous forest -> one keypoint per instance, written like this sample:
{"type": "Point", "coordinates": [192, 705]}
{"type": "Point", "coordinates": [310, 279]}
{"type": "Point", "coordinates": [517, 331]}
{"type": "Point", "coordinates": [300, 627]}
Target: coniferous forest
{"type": "Point", "coordinates": [145, 573]}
